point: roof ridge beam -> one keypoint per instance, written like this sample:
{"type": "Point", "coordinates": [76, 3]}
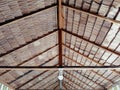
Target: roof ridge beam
{"type": "Point", "coordinates": [60, 26]}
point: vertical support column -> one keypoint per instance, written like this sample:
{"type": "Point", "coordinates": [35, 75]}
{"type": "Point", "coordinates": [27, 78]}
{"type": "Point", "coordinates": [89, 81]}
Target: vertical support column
{"type": "Point", "coordinates": [60, 27]}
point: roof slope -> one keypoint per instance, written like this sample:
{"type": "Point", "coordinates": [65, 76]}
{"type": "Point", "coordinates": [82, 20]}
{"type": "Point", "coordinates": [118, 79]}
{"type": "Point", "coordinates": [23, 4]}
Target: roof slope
{"type": "Point", "coordinates": [30, 36]}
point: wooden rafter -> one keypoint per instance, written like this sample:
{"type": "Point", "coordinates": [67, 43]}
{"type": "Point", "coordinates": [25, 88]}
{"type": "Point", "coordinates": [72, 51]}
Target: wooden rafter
{"type": "Point", "coordinates": [106, 49]}
{"type": "Point", "coordinates": [34, 78]}
{"type": "Point", "coordinates": [74, 82]}
{"type": "Point", "coordinates": [55, 83]}
{"type": "Point", "coordinates": [31, 80]}
{"type": "Point", "coordinates": [91, 14]}
{"type": "Point", "coordinates": [69, 85]}
{"type": "Point", "coordinates": [27, 15]}
{"type": "Point", "coordinates": [88, 58]}
{"type": "Point", "coordinates": [32, 58]}
{"type": "Point", "coordinates": [30, 71]}
{"type": "Point", "coordinates": [41, 81]}
{"type": "Point", "coordinates": [79, 79]}
{"type": "Point", "coordinates": [90, 80]}
{"type": "Point", "coordinates": [91, 70]}
{"type": "Point", "coordinates": [55, 87]}
{"type": "Point", "coordinates": [49, 81]}
{"type": "Point", "coordinates": [28, 43]}
{"type": "Point", "coordinates": [60, 40]}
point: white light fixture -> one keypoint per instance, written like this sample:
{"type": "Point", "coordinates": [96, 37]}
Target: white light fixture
{"type": "Point", "coordinates": [60, 77]}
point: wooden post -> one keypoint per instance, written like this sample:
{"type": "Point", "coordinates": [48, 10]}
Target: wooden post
{"type": "Point", "coordinates": [60, 27]}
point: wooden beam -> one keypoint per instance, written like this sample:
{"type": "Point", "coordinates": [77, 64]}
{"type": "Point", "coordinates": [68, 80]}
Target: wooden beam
{"type": "Point", "coordinates": [79, 79]}
{"type": "Point", "coordinates": [106, 49]}
{"type": "Point", "coordinates": [91, 14]}
{"type": "Point", "coordinates": [53, 83]}
{"type": "Point", "coordinates": [66, 83]}
{"type": "Point", "coordinates": [40, 81]}
{"type": "Point", "coordinates": [23, 45]}
{"type": "Point", "coordinates": [30, 71]}
{"type": "Point", "coordinates": [60, 47]}
{"type": "Point", "coordinates": [60, 26]}
{"type": "Point", "coordinates": [103, 77]}
{"type": "Point", "coordinates": [44, 79]}
{"type": "Point", "coordinates": [27, 15]}
{"type": "Point", "coordinates": [57, 67]}
{"type": "Point", "coordinates": [60, 14]}
{"type": "Point", "coordinates": [91, 70]}
{"type": "Point", "coordinates": [88, 58]}
{"type": "Point", "coordinates": [31, 58]}
{"type": "Point", "coordinates": [91, 79]}
{"type": "Point", "coordinates": [74, 82]}
{"type": "Point", "coordinates": [31, 80]}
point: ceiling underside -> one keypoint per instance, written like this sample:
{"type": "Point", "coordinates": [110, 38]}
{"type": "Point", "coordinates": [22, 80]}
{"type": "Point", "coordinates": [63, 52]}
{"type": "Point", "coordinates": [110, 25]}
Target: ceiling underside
{"type": "Point", "coordinates": [29, 37]}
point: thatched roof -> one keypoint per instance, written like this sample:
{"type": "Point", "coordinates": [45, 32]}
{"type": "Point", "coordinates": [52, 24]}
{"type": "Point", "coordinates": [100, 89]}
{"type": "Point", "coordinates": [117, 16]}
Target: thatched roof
{"type": "Point", "coordinates": [56, 34]}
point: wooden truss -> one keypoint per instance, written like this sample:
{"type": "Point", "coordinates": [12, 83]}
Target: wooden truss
{"type": "Point", "coordinates": [60, 45]}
